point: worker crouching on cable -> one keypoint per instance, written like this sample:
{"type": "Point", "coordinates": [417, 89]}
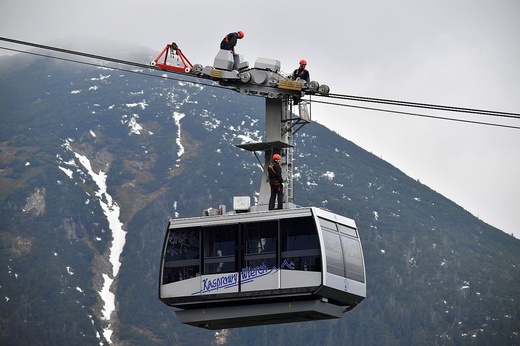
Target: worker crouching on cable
{"type": "Point", "coordinates": [230, 41]}
{"type": "Point", "coordinates": [276, 182]}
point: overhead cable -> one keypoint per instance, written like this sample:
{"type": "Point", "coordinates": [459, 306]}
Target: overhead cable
{"type": "Point", "coordinates": [333, 96]}
{"type": "Point", "coordinates": [419, 115]}
{"type": "Point", "coordinates": [425, 105]}
{"type": "Point", "coordinates": [144, 66]}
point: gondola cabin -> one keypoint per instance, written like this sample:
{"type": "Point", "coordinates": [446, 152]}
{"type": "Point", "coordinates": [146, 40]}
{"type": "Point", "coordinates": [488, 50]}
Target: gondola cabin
{"type": "Point", "coordinates": [264, 267]}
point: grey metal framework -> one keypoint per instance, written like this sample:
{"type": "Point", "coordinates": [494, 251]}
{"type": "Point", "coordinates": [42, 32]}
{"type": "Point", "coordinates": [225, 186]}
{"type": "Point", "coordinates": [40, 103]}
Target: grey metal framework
{"type": "Point", "coordinates": [282, 117]}
{"type": "Point", "coordinates": [281, 126]}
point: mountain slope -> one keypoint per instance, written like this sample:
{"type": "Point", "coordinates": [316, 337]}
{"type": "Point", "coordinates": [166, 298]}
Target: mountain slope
{"type": "Point", "coordinates": [94, 161]}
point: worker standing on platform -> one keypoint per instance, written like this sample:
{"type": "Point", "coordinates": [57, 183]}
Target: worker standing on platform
{"type": "Point", "coordinates": [230, 41]}
{"type": "Point", "coordinates": [301, 72]}
{"type": "Point", "coordinates": [276, 182]}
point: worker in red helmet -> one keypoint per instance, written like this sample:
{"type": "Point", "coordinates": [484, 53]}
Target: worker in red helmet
{"type": "Point", "coordinates": [276, 182]}
{"type": "Point", "coordinates": [302, 72]}
{"type": "Point", "coordinates": [230, 41]}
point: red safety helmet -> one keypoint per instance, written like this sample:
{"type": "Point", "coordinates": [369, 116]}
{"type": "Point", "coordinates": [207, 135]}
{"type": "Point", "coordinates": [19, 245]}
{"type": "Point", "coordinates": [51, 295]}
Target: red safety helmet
{"type": "Point", "coordinates": [303, 62]}
{"type": "Point", "coordinates": [277, 157]}
{"type": "Point", "coordinates": [240, 34]}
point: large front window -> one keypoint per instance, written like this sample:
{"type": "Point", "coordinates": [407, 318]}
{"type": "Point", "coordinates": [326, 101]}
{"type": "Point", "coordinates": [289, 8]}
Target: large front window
{"type": "Point", "coordinates": [344, 256]}
{"type": "Point", "coordinates": [353, 259]}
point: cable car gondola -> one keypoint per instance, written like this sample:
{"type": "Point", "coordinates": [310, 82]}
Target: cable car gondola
{"type": "Point", "coordinates": [252, 266]}
{"type": "Point", "coordinates": [265, 267]}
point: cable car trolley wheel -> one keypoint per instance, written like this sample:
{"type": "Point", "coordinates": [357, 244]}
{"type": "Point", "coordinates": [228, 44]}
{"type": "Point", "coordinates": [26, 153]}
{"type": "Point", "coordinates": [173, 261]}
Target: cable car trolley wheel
{"type": "Point", "coordinates": [313, 86]}
{"type": "Point", "coordinates": [245, 77]}
{"type": "Point", "coordinates": [324, 89]}
{"type": "Point", "coordinates": [197, 68]}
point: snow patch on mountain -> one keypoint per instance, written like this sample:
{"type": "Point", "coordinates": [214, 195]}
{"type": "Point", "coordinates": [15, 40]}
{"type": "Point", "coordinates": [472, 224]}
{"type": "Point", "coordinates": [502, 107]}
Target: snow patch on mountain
{"type": "Point", "coordinates": [210, 123]}
{"type": "Point", "coordinates": [177, 117]}
{"type": "Point", "coordinates": [141, 105]}
{"type": "Point", "coordinates": [329, 175]}
{"type": "Point", "coordinates": [112, 212]}
{"type": "Point", "coordinates": [135, 128]}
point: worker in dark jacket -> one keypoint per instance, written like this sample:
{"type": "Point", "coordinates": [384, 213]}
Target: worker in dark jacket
{"type": "Point", "coordinates": [276, 182]}
{"type": "Point", "coordinates": [301, 72]}
{"type": "Point", "coordinates": [230, 41]}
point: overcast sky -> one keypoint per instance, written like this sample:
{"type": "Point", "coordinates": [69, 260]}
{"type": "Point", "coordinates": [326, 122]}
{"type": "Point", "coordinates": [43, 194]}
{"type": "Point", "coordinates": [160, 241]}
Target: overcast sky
{"type": "Point", "coordinates": [457, 53]}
